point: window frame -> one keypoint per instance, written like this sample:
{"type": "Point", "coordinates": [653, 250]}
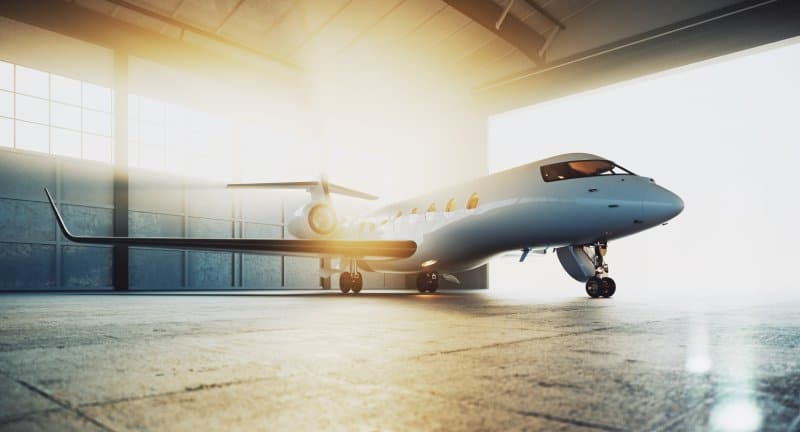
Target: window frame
{"type": "Point", "coordinates": [610, 173]}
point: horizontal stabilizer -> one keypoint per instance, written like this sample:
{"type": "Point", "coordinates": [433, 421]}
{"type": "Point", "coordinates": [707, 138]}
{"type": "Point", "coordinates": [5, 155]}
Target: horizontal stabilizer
{"type": "Point", "coordinates": [332, 188]}
{"type": "Point", "coordinates": [314, 248]}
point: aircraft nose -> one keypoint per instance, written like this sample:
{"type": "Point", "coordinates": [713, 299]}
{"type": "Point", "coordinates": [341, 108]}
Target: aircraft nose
{"type": "Point", "coordinates": [661, 205]}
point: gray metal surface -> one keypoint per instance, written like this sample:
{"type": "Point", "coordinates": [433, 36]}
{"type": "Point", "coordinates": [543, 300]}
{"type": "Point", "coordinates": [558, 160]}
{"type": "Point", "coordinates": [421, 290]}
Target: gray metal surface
{"type": "Point", "coordinates": [520, 359]}
{"type": "Point", "coordinates": [34, 257]}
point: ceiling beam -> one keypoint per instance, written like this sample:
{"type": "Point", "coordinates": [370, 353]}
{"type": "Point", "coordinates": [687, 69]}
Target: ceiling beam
{"type": "Point", "coordinates": [512, 30]}
{"type": "Point", "coordinates": [545, 13]}
{"type": "Point", "coordinates": [71, 20]}
{"type": "Point", "coordinates": [197, 30]}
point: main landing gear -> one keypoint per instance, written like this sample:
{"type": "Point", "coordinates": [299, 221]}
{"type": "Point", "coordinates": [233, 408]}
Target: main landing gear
{"type": "Point", "coordinates": [428, 281]}
{"type": "Point", "coordinates": [351, 280]}
{"type": "Point", "coordinates": [600, 285]}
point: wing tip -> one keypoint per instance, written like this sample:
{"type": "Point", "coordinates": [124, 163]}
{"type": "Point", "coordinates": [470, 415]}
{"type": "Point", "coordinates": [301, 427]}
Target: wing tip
{"type": "Point", "coordinates": [58, 216]}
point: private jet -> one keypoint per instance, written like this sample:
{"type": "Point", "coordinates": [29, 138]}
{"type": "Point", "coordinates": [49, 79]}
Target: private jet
{"type": "Point", "coordinates": [573, 204]}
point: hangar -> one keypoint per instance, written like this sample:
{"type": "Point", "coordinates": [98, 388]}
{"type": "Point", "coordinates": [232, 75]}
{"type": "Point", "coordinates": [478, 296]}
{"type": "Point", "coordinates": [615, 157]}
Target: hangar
{"type": "Point", "coordinates": [136, 114]}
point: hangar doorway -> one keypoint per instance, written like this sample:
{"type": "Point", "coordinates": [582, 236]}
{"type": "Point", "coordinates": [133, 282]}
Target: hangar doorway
{"type": "Point", "coordinates": [720, 133]}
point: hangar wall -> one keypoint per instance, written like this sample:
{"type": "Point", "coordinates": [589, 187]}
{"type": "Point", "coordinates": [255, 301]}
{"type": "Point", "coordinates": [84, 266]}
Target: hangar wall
{"type": "Point", "coordinates": [34, 255]}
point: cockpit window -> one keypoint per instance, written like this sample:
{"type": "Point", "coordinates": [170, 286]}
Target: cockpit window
{"type": "Point", "coordinates": [578, 169]}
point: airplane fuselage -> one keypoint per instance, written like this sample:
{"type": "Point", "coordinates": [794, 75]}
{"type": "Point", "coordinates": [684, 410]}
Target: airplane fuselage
{"type": "Point", "coordinates": [516, 209]}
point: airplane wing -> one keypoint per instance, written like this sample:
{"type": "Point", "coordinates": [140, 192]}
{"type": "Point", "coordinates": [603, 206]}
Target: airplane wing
{"type": "Point", "coordinates": [314, 248]}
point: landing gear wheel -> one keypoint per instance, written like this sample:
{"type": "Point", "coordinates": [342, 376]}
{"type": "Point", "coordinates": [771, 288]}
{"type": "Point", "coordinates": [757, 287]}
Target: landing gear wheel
{"type": "Point", "coordinates": [607, 287]}
{"type": "Point", "coordinates": [428, 282]}
{"type": "Point", "coordinates": [346, 282]}
{"type": "Point", "coordinates": [594, 287]}
{"type": "Point", "coordinates": [357, 282]}
{"type": "Point", "coordinates": [421, 287]}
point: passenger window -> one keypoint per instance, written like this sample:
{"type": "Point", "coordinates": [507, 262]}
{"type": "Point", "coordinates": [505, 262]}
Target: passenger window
{"type": "Point", "coordinates": [431, 208]}
{"type": "Point", "coordinates": [413, 211]}
{"type": "Point", "coordinates": [472, 202]}
{"type": "Point", "coordinates": [450, 206]}
{"type": "Point", "coordinates": [399, 214]}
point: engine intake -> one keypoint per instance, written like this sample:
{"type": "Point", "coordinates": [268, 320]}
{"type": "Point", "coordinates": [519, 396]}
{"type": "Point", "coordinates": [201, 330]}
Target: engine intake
{"type": "Point", "coordinates": [314, 220]}
{"type": "Point", "coordinates": [322, 219]}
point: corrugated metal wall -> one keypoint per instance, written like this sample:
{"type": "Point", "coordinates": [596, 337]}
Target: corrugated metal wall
{"type": "Point", "coordinates": [35, 256]}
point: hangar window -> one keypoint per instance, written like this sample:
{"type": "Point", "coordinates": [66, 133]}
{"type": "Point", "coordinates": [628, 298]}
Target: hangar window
{"type": "Point", "coordinates": [472, 202]}
{"type": "Point", "coordinates": [431, 208]}
{"type": "Point", "coordinates": [579, 169]}
{"type": "Point", "coordinates": [450, 206]}
{"type": "Point", "coordinates": [47, 113]}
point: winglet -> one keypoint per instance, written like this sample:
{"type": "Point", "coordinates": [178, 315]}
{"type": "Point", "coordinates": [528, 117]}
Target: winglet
{"type": "Point", "coordinates": [59, 219]}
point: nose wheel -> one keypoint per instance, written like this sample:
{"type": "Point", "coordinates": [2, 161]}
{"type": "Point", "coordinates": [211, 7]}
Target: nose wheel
{"type": "Point", "coordinates": [600, 285]}
{"type": "Point", "coordinates": [427, 282]}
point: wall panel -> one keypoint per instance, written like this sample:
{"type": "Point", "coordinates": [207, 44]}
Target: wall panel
{"type": "Point", "coordinates": [86, 267]}
{"type": "Point", "coordinates": [26, 221]}
{"type": "Point", "coordinates": [156, 269]}
{"type": "Point", "coordinates": [27, 267]}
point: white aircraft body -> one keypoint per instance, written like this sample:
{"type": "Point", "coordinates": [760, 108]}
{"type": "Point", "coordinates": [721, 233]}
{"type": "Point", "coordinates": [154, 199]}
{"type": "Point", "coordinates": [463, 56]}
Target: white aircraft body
{"type": "Point", "coordinates": [573, 203]}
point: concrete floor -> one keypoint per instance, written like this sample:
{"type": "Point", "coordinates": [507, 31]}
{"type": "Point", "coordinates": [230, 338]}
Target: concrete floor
{"type": "Point", "coordinates": [398, 361]}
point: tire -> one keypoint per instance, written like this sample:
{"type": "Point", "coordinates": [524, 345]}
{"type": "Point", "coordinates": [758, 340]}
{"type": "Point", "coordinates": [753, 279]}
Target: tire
{"type": "Point", "coordinates": [422, 285]}
{"type": "Point", "coordinates": [433, 282]}
{"type": "Point", "coordinates": [357, 283]}
{"type": "Point", "coordinates": [345, 282]}
{"type": "Point", "coordinates": [594, 287]}
{"type": "Point", "coordinates": [608, 287]}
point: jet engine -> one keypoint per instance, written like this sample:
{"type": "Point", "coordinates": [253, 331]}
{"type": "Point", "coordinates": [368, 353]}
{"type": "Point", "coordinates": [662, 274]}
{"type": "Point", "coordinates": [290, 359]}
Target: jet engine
{"type": "Point", "coordinates": [314, 220]}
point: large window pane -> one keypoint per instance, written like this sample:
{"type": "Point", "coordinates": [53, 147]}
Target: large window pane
{"type": "Point", "coordinates": [65, 90]}
{"type": "Point", "coordinates": [151, 157]}
{"type": "Point", "coordinates": [6, 132]}
{"type": "Point", "coordinates": [152, 134]}
{"type": "Point", "coordinates": [32, 82]}
{"type": "Point", "coordinates": [151, 110]}
{"type": "Point", "coordinates": [133, 128]}
{"type": "Point", "coordinates": [6, 104]}
{"type": "Point", "coordinates": [96, 148]}
{"type": "Point", "coordinates": [66, 116]}
{"type": "Point", "coordinates": [66, 142]}
{"type": "Point", "coordinates": [96, 97]}
{"type": "Point", "coordinates": [31, 136]}
{"type": "Point", "coordinates": [133, 105]}
{"type": "Point", "coordinates": [97, 122]}
{"type": "Point", "coordinates": [32, 109]}
{"type": "Point", "coordinates": [6, 76]}
{"type": "Point", "coordinates": [133, 153]}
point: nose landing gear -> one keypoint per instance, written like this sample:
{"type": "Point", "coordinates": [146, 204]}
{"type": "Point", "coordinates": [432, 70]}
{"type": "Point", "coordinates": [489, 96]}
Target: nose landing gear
{"type": "Point", "coordinates": [600, 285]}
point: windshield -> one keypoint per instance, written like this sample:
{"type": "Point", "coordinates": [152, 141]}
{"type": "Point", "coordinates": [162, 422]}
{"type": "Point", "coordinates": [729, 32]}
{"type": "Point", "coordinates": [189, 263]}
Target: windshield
{"type": "Point", "coordinates": [578, 169]}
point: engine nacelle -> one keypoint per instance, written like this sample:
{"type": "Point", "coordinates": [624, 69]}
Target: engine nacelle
{"type": "Point", "coordinates": [314, 220]}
